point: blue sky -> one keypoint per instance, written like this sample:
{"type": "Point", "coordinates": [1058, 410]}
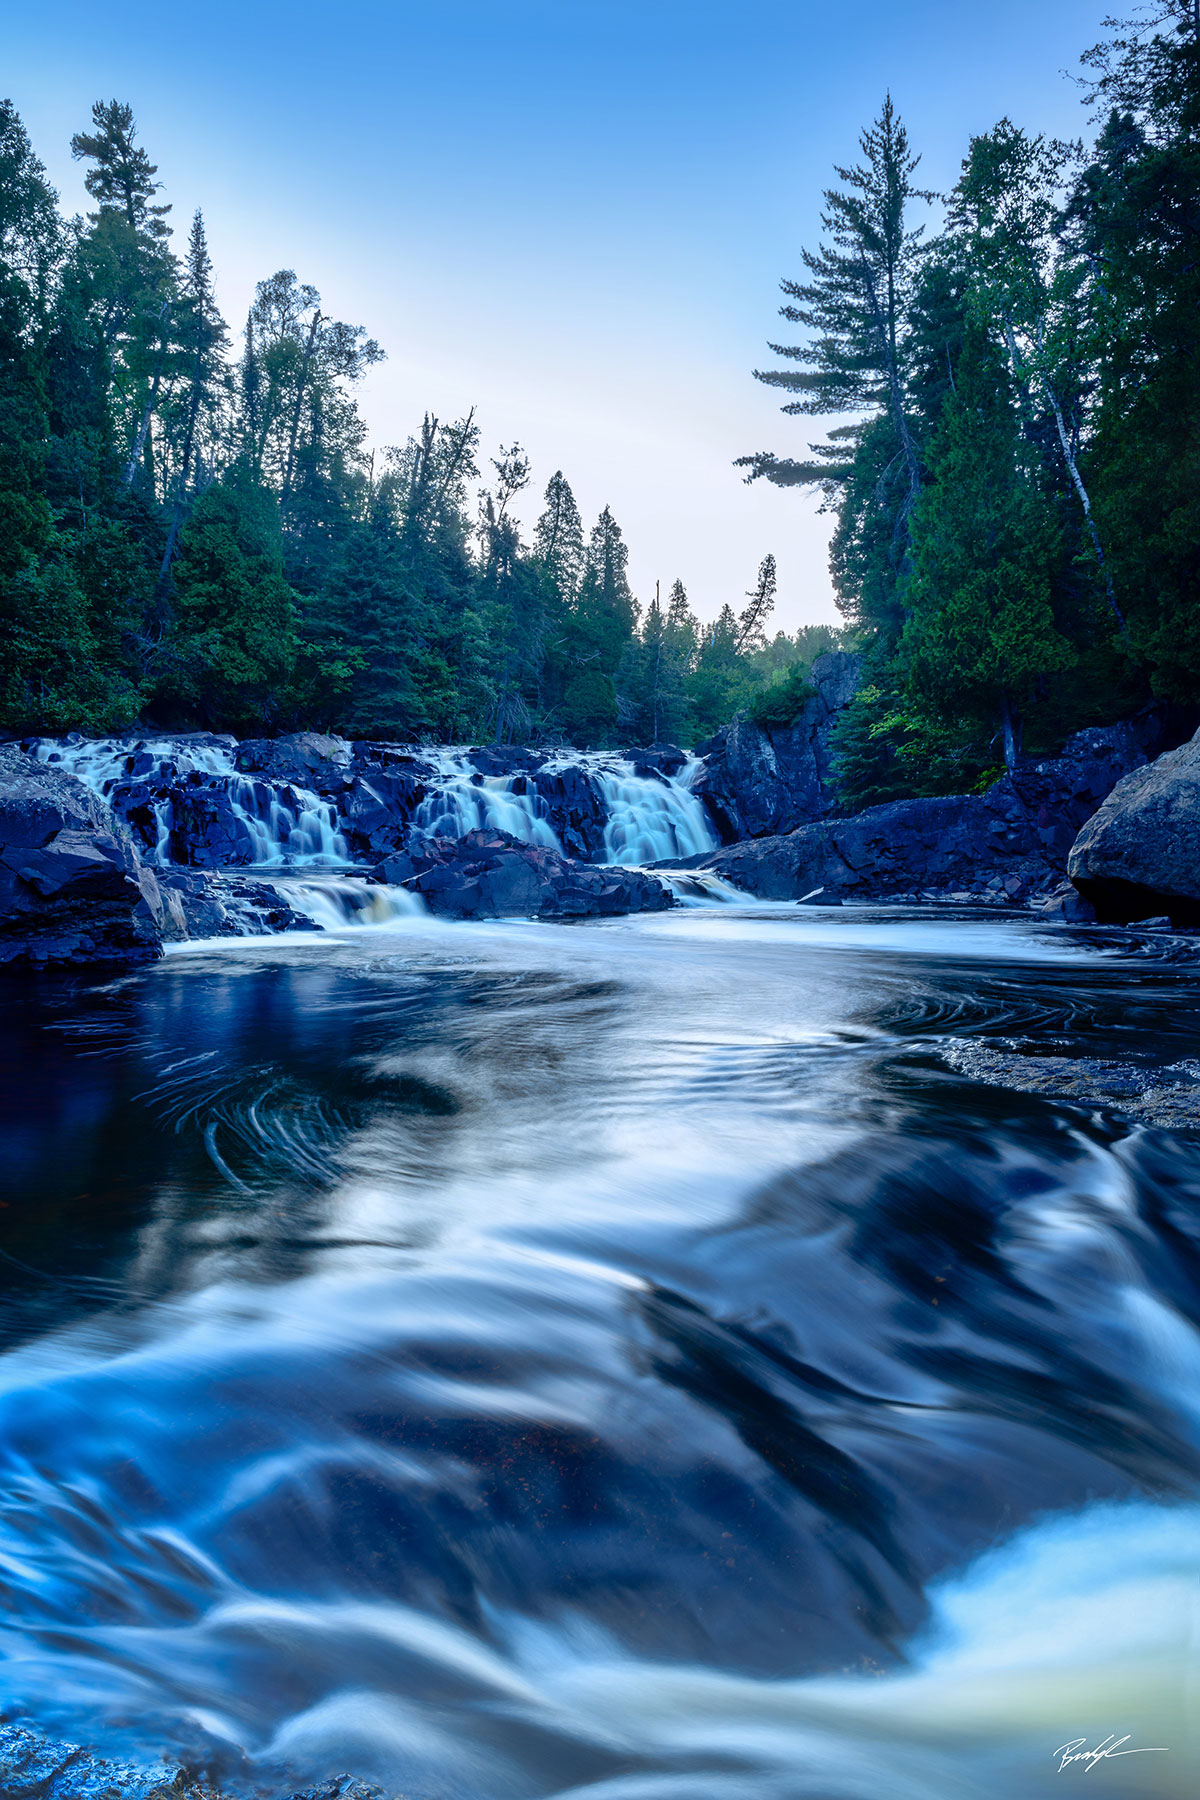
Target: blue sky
{"type": "Point", "coordinates": [573, 216]}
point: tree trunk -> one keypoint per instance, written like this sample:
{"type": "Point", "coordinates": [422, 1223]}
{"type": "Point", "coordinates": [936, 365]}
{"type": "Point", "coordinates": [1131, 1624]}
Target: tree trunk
{"type": "Point", "coordinates": [1085, 502]}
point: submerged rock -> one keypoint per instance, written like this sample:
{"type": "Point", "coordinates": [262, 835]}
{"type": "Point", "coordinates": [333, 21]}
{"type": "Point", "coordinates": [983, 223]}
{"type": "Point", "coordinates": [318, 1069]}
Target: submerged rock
{"type": "Point", "coordinates": [34, 1767]}
{"type": "Point", "coordinates": [1168, 1098]}
{"type": "Point", "coordinates": [1139, 854]}
{"type": "Point", "coordinates": [72, 889]}
{"type": "Point", "coordinates": [490, 875]}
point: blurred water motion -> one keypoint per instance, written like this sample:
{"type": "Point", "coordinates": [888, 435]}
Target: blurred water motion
{"type": "Point", "coordinates": [620, 1361]}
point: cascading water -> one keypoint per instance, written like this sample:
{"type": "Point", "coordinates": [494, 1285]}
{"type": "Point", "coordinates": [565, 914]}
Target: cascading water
{"type": "Point", "coordinates": [281, 823]}
{"type": "Point", "coordinates": [648, 816]}
{"type": "Point", "coordinates": [334, 902]}
{"type": "Point", "coordinates": [461, 799]}
{"type": "Point", "coordinates": [652, 818]}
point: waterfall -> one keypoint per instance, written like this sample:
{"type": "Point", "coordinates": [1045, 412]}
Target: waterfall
{"type": "Point", "coordinates": [283, 824]}
{"type": "Point", "coordinates": [271, 822]}
{"type": "Point", "coordinates": [651, 818]}
{"type": "Point", "coordinates": [462, 800]}
{"type": "Point", "coordinates": [333, 902]}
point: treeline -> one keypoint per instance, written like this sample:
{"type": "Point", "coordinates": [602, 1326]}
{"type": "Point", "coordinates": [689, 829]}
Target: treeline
{"type": "Point", "coordinates": [194, 533]}
{"type": "Point", "coordinates": [1016, 480]}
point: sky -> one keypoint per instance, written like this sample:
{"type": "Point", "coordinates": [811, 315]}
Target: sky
{"type": "Point", "coordinates": [572, 215]}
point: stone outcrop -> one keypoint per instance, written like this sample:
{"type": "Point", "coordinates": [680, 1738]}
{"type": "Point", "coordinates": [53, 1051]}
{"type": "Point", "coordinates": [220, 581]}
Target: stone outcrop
{"type": "Point", "coordinates": [1010, 843]}
{"type": "Point", "coordinates": [1139, 853]}
{"type": "Point", "coordinates": [489, 875]}
{"type": "Point", "coordinates": [72, 890]}
{"type": "Point", "coordinates": [760, 782]}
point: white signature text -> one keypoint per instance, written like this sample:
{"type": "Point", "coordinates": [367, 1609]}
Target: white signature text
{"type": "Point", "coordinates": [1077, 1751]}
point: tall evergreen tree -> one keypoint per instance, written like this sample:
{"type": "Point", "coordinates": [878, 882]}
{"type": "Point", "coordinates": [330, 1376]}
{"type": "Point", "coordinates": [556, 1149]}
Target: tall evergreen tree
{"type": "Point", "coordinates": [855, 357]}
{"type": "Point", "coordinates": [980, 644]}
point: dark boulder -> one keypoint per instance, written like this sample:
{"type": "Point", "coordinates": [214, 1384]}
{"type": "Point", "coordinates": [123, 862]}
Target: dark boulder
{"type": "Point", "coordinates": [657, 759]}
{"type": "Point", "coordinates": [310, 759]}
{"type": "Point", "coordinates": [490, 875]}
{"type": "Point", "coordinates": [1010, 843]}
{"type": "Point", "coordinates": [576, 807]}
{"type": "Point", "coordinates": [1139, 854]}
{"type": "Point", "coordinates": [758, 782]}
{"type": "Point", "coordinates": [72, 890]}
{"type": "Point", "coordinates": [378, 808]}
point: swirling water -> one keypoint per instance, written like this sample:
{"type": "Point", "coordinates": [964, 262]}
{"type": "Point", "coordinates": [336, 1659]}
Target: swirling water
{"type": "Point", "coordinates": [618, 1361]}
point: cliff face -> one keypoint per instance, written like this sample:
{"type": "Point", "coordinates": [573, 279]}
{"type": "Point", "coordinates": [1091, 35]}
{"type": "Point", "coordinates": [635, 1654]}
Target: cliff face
{"type": "Point", "coordinates": [759, 782]}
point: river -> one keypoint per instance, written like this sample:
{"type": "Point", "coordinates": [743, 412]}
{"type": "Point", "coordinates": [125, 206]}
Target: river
{"type": "Point", "coordinates": [620, 1361]}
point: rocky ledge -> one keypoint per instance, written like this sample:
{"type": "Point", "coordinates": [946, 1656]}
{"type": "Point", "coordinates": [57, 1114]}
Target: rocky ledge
{"type": "Point", "coordinates": [72, 888]}
{"type": "Point", "coordinates": [1009, 844]}
{"type": "Point", "coordinates": [490, 875]}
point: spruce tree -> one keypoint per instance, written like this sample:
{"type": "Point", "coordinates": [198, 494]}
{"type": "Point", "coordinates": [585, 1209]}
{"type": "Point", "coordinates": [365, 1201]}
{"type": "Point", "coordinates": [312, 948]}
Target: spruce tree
{"type": "Point", "coordinates": [981, 644]}
{"type": "Point", "coordinates": [855, 359]}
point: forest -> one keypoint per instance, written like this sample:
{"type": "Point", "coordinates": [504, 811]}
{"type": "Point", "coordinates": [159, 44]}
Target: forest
{"type": "Point", "coordinates": [194, 531]}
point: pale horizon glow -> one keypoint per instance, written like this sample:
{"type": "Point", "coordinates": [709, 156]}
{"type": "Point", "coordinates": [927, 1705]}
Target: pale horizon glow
{"type": "Point", "coordinates": [572, 217]}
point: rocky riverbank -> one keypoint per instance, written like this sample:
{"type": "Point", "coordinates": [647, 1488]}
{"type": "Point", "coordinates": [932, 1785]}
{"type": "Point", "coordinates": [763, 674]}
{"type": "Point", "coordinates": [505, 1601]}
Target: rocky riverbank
{"type": "Point", "coordinates": [109, 850]}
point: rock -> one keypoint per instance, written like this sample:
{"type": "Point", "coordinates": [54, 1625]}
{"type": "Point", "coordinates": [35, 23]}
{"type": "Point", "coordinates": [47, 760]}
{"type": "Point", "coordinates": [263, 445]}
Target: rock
{"type": "Point", "coordinates": [577, 809]}
{"type": "Point", "coordinates": [935, 844]}
{"type": "Point", "coordinates": [758, 782]}
{"type": "Point", "coordinates": [72, 889]}
{"type": "Point", "coordinates": [313, 759]}
{"type": "Point", "coordinates": [34, 1767]}
{"type": "Point", "coordinates": [1069, 906]}
{"type": "Point", "coordinates": [1010, 842]}
{"type": "Point", "coordinates": [1168, 1098]}
{"type": "Point", "coordinates": [1139, 854]}
{"type": "Point", "coordinates": [490, 875]}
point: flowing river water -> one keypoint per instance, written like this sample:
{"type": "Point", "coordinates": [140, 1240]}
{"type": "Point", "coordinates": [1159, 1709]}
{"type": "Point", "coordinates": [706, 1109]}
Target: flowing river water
{"type": "Point", "coordinates": [620, 1361]}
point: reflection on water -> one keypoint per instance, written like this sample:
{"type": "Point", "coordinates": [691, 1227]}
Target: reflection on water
{"type": "Point", "coordinates": [619, 1360]}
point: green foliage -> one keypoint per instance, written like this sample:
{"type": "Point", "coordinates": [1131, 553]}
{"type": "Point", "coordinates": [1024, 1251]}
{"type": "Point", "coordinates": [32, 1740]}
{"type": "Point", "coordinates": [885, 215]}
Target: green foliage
{"type": "Point", "coordinates": [1015, 486]}
{"type": "Point", "coordinates": [980, 639]}
{"type": "Point", "coordinates": [781, 704]}
{"type": "Point", "coordinates": [231, 651]}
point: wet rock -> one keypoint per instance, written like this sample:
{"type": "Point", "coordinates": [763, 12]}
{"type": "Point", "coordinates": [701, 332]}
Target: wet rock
{"type": "Point", "coordinates": [313, 759]}
{"type": "Point", "coordinates": [577, 809]}
{"type": "Point", "coordinates": [206, 904]}
{"type": "Point", "coordinates": [72, 889]}
{"type": "Point", "coordinates": [490, 875]}
{"type": "Point", "coordinates": [758, 782]}
{"type": "Point", "coordinates": [942, 844]}
{"type": "Point", "coordinates": [1139, 854]}
{"type": "Point", "coordinates": [378, 809]}
{"type": "Point", "coordinates": [34, 1767]}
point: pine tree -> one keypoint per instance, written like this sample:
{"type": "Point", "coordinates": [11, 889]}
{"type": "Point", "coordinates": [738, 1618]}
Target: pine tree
{"type": "Point", "coordinates": [855, 359]}
{"type": "Point", "coordinates": [981, 643]}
